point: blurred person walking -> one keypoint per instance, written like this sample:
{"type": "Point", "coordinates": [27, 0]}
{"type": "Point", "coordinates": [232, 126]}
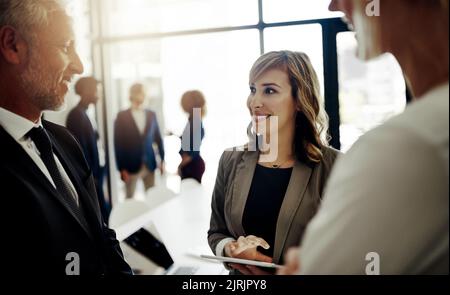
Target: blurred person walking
{"type": "Point", "coordinates": [85, 131]}
{"type": "Point", "coordinates": [192, 164]}
{"type": "Point", "coordinates": [136, 130]}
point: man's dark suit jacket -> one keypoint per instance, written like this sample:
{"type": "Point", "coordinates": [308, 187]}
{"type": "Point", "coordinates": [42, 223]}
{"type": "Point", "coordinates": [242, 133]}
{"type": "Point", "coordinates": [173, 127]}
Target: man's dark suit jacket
{"type": "Point", "coordinates": [39, 231]}
{"type": "Point", "coordinates": [81, 127]}
{"type": "Point", "coordinates": [134, 149]}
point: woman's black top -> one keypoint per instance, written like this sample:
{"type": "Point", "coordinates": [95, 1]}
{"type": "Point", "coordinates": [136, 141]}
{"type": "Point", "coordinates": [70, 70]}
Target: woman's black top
{"type": "Point", "coordinates": [263, 205]}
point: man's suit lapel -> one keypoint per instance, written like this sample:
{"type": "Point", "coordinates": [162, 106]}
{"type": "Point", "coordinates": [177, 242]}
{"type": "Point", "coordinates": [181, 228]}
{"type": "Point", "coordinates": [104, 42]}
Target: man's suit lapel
{"type": "Point", "coordinates": [84, 198]}
{"type": "Point", "coordinates": [26, 169]}
{"type": "Point", "coordinates": [148, 122]}
{"type": "Point", "coordinates": [130, 121]}
{"type": "Point", "coordinates": [19, 161]}
{"type": "Point", "coordinates": [291, 204]}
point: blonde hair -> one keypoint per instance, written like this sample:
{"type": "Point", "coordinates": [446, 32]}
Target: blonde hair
{"type": "Point", "coordinates": [193, 99]}
{"type": "Point", "coordinates": [311, 120]}
{"type": "Point", "coordinates": [136, 88]}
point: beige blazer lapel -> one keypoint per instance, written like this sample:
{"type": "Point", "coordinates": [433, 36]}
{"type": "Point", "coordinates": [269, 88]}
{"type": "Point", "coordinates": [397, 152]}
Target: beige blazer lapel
{"type": "Point", "coordinates": [243, 180]}
{"type": "Point", "coordinates": [291, 204]}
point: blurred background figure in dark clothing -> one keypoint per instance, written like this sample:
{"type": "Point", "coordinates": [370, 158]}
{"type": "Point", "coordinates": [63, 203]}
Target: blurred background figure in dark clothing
{"type": "Point", "coordinates": [137, 142]}
{"type": "Point", "coordinates": [85, 130]}
{"type": "Point", "coordinates": [192, 164]}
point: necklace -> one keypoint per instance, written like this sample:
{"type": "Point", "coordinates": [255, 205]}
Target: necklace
{"type": "Point", "coordinates": [276, 166]}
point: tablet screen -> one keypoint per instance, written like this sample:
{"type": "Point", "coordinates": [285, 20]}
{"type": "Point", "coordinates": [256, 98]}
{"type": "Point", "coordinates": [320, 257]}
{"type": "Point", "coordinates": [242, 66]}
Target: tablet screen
{"type": "Point", "coordinates": [149, 246]}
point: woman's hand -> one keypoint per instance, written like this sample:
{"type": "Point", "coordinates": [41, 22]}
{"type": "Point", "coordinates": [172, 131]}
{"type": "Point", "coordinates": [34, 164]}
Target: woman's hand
{"type": "Point", "coordinates": [246, 248]}
{"type": "Point", "coordinates": [185, 159]}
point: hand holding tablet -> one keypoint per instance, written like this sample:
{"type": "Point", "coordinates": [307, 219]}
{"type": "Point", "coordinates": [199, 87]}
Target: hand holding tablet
{"type": "Point", "coordinates": [243, 255]}
{"type": "Point", "coordinates": [242, 261]}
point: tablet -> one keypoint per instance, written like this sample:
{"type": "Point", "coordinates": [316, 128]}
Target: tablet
{"type": "Point", "coordinates": [242, 261]}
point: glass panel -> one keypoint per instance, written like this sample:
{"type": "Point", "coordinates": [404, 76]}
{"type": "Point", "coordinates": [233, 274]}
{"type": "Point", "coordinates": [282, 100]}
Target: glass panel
{"type": "Point", "coordinates": [306, 38]}
{"type": "Point", "coordinates": [79, 10]}
{"type": "Point", "coordinates": [292, 10]}
{"type": "Point", "coordinates": [369, 93]}
{"type": "Point", "coordinates": [168, 67]}
{"type": "Point", "coordinates": [125, 17]}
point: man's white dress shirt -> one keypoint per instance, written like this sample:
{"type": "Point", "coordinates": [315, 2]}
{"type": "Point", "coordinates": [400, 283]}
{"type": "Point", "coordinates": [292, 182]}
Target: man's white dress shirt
{"type": "Point", "coordinates": [18, 127]}
{"type": "Point", "coordinates": [140, 118]}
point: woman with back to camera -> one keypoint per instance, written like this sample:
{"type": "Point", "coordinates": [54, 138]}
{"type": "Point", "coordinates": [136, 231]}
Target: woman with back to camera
{"type": "Point", "coordinates": [192, 164]}
{"type": "Point", "coordinates": [264, 197]}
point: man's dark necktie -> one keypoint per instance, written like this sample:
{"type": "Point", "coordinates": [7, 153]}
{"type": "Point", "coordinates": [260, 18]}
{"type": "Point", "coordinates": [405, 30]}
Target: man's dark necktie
{"type": "Point", "coordinates": [44, 145]}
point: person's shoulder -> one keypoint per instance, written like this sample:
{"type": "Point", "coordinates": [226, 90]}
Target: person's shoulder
{"type": "Point", "coordinates": [426, 118]}
{"type": "Point", "coordinates": [61, 133]}
{"type": "Point", "coordinates": [396, 143]}
{"type": "Point", "coordinates": [54, 128]}
{"type": "Point", "coordinates": [230, 154]}
{"type": "Point", "coordinates": [423, 123]}
{"type": "Point", "coordinates": [150, 112]}
{"type": "Point", "coordinates": [74, 110]}
{"type": "Point", "coordinates": [75, 114]}
{"type": "Point", "coordinates": [153, 115]}
{"type": "Point", "coordinates": [235, 154]}
{"type": "Point", "coordinates": [325, 166]}
{"type": "Point", "coordinates": [67, 142]}
{"type": "Point", "coordinates": [330, 154]}
{"type": "Point", "coordinates": [123, 113]}
{"type": "Point", "coordinates": [238, 151]}
{"type": "Point", "coordinates": [122, 116]}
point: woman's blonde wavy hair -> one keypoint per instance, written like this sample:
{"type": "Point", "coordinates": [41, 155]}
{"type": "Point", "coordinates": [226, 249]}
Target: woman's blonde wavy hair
{"type": "Point", "coordinates": [311, 124]}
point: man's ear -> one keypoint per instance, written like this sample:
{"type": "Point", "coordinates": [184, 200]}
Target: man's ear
{"type": "Point", "coordinates": [13, 47]}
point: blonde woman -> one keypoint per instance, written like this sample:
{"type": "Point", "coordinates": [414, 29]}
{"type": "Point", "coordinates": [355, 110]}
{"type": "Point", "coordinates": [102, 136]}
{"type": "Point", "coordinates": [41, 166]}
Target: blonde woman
{"type": "Point", "coordinates": [260, 208]}
{"type": "Point", "coordinates": [192, 164]}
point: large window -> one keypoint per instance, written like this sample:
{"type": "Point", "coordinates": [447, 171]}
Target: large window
{"type": "Point", "coordinates": [130, 17]}
{"type": "Point", "coordinates": [172, 65]}
{"type": "Point", "coordinates": [172, 46]}
{"type": "Point", "coordinates": [306, 38]}
{"type": "Point", "coordinates": [294, 10]}
{"type": "Point", "coordinates": [369, 93]}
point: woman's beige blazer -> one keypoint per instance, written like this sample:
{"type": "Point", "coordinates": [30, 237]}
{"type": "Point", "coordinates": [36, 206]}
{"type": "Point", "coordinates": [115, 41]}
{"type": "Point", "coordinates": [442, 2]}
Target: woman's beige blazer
{"type": "Point", "coordinates": [302, 199]}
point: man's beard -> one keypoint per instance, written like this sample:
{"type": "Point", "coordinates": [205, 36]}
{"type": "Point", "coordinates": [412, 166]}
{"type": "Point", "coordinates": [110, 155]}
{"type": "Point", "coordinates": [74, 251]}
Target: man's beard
{"type": "Point", "coordinates": [37, 83]}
